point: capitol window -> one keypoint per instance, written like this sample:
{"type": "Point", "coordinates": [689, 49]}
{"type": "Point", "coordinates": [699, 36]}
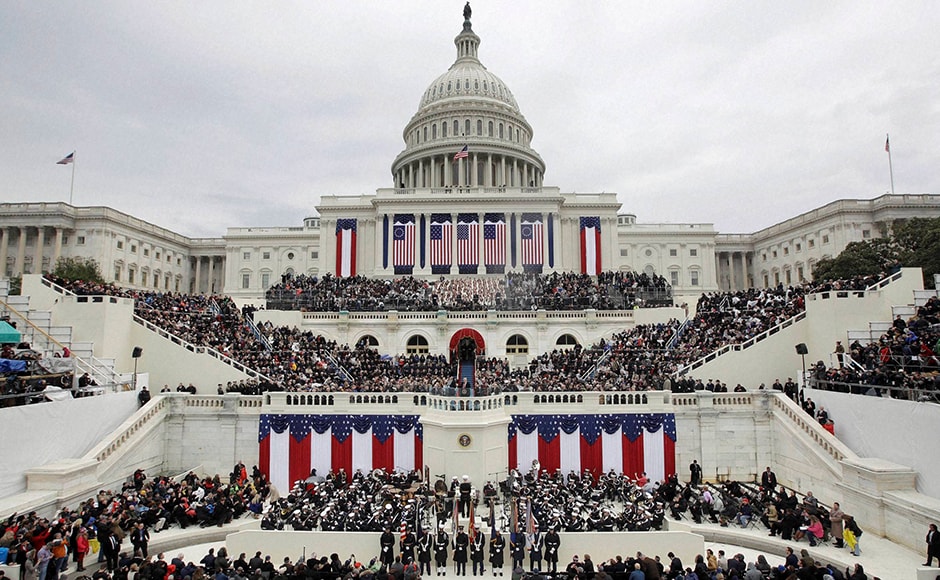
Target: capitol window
{"type": "Point", "coordinates": [673, 252]}
{"type": "Point", "coordinates": [500, 130]}
{"type": "Point", "coordinates": [466, 127]}
{"type": "Point", "coordinates": [476, 85]}
{"type": "Point", "coordinates": [485, 87]}
{"type": "Point", "coordinates": [417, 344]}
{"type": "Point", "coordinates": [826, 239]}
{"type": "Point", "coordinates": [246, 281]}
{"type": "Point", "coordinates": [489, 132]}
{"type": "Point", "coordinates": [266, 255]}
{"type": "Point", "coordinates": [449, 86]}
{"type": "Point", "coordinates": [456, 127]}
{"type": "Point", "coordinates": [693, 252]}
{"type": "Point", "coordinates": [120, 245]}
{"type": "Point", "coordinates": [246, 255]}
{"type": "Point", "coordinates": [479, 127]}
{"type": "Point", "coordinates": [517, 344]}
{"type": "Point", "coordinates": [80, 240]}
{"type": "Point", "coordinates": [444, 129]}
{"type": "Point", "coordinates": [693, 277]}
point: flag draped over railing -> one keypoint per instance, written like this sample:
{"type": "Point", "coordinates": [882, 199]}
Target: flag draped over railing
{"type": "Point", "coordinates": [625, 443]}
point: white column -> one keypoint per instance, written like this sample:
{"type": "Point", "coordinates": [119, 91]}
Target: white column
{"type": "Point", "coordinates": [196, 277]}
{"type": "Point", "coordinates": [57, 252]}
{"type": "Point", "coordinates": [221, 288]}
{"type": "Point", "coordinates": [4, 246]}
{"type": "Point", "coordinates": [502, 171]}
{"type": "Point", "coordinates": [420, 181]}
{"type": "Point", "coordinates": [40, 246]}
{"type": "Point", "coordinates": [515, 173]}
{"type": "Point", "coordinates": [20, 252]}
{"type": "Point", "coordinates": [210, 289]}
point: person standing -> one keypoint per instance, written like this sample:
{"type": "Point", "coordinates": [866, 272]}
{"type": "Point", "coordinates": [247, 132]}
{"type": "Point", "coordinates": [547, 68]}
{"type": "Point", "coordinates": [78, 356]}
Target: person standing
{"type": "Point", "coordinates": [768, 480]}
{"type": "Point", "coordinates": [534, 543]}
{"type": "Point", "coordinates": [465, 489]}
{"type": "Point", "coordinates": [497, 547]}
{"type": "Point", "coordinates": [552, 543]}
{"type": "Point", "coordinates": [387, 547]}
{"type": "Point", "coordinates": [461, 543]}
{"type": "Point", "coordinates": [140, 538]}
{"type": "Point", "coordinates": [425, 547]}
{"type": "Point", "coordinates": [477, 550]}
{"type": "Point", "coordinates": [836, 516]}
{"type": "Point", "coordinates": [696, 473]}
{"type": "Point", "coordinates": [441, 543]}
{"type": "Point", "coordinates": [933, 545]}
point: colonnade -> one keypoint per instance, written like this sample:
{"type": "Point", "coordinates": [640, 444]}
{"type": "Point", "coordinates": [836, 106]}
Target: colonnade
{"type": "Point", "coordinates": [214, 280]}
{"type": "Point", "coordinates": [475, 170]}
{"type": "Point", "coordinates": [733, 270]}
{"type": "Point", "coordinates": [34, 262]}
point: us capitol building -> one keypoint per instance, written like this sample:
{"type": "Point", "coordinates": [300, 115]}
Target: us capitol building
{"type": "Point", "coordinates": [468, 197]}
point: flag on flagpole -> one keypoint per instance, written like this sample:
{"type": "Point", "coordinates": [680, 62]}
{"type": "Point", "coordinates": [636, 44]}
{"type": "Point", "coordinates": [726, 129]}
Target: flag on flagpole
{"type": "Point", "coordinates": [887, 145]}
{"type": "Point", "coordinates": [472, 525]}
{"type": "Point", "coordinates": [463, 153]}
{"type": "Point", "coordinates": [67, 160]}
{"type": "Point", "coordinates": [454, 516]}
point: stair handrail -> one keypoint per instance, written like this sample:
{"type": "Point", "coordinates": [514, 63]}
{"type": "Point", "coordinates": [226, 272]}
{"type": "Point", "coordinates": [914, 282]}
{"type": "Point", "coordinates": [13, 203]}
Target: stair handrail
{"type": "Point", "coordinates": [591, 372]}
{"type": "Point", "coordinates": [33, 327]}
{"type": "Point", "coordinates": [740, 345]}
{"type": "Point", "coordinates": [164, 333]}
{"type": "Point", "coordinates": [680, 330]}
{"type": "Point", "coordinates": [340, 369]}
{"type": "Point", "coordinates": [55, 287]}
{"type": "Point", "coordinates": [262, 338]}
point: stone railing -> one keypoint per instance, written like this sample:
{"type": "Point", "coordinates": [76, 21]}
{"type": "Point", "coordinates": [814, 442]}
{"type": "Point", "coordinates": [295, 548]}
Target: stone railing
{"type": "Point", "coordinates": [209, 351]}
{"type": "Point", "coordinates": [833, 450]}
{"type": "Point", "coordinates": [149, 416]}
{"type": "Point", "coordinates": [343, 316]}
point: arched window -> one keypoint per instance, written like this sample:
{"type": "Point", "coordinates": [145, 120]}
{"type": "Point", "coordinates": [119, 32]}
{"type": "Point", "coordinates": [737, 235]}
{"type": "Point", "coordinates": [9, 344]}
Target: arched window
{"type": "Point", "coordinates": [489, 129]}
{"type": "Point", "coordinates": [368, 341]}
{"type": "Point", "coordinates": [466, 127]}
{"type": "Point", "coordinates": [433, 131]}
{"type": "Point", "coordinates": [517, 344]}
{"type": "Point", "coordinates": [566, 341]}
{"type": "Point", "coordinates": [456, 127]}
{"type": "Point", "coordinates": [444, 129]}
{"type": "Point", "coordinates": [500, 130]}
{"type": "Point", "coordinates": [425, 133]}
{"type": "Point", "coordinates": [417, 344]}
{"type": "Point", "coordinates": [479, 127]}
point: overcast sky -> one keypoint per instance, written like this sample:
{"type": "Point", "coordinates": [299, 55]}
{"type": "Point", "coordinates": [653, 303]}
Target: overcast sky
{"type": "Point", "coordinates": [198, 116]}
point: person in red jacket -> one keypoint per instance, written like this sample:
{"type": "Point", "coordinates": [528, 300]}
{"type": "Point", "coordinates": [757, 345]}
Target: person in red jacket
{"type": "Point", "coordinates": [81, 548]}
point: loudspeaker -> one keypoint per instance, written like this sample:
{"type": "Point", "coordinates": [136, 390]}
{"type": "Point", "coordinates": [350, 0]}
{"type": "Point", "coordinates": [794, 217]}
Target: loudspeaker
{"type": "Point", "coordinates": [137, 352]}
{"type": "Point", "coordinates": [801, 348]}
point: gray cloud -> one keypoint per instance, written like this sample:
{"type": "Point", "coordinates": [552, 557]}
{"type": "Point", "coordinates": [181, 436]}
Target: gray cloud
{"type": "Point", "coordinates": [200, 116]}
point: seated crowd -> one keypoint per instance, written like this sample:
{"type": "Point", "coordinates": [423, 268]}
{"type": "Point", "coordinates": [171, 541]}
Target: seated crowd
{"type": "Point", "coordinates": [101, 526]}
{"type": "Point", "coordinates": [904, 359]}
{"type": "Point", "coordinates": [642, 358]}
{"type": "Point", "coordinates": [514, 291]}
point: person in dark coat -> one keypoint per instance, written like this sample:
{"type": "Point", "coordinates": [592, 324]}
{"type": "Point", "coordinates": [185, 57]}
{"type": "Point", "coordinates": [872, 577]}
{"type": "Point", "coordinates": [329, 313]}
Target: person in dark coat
{"type": "Point", "coordinates": [441, 544]}
{"type": "Point", "coordinates": [497, 549]}
{"type": "Point", "coordinates": [461, 544]}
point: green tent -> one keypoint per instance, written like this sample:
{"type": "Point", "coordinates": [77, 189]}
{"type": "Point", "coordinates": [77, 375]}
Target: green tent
{"type": "Point", "coordinates": [8, 333]}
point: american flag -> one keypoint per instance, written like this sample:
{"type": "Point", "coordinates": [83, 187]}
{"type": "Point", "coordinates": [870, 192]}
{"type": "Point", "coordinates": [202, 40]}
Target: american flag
{"type": "Point", "coordinates": [70, 158]}
{"type": "Point", "coordinates": [468, 243]}
{"type": "Point", "coordinates": [494, 242]}
{"type": "Point", "coordinates": [531, 235]}
{"type": "Point", "coordinates": [403, 246]}
{"type": "Point", "coordinates": [441, 239]}
{"type": "Point", "coordinates": [403, 528]}
{"type": "Point", "coordinates": [463, 153]}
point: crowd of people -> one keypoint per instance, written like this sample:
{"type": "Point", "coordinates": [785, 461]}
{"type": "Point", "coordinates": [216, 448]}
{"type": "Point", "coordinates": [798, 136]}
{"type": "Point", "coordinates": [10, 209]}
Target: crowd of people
{"type": "Point", "coordinates": [646, 357]}
{"type": "Point", "coordinates": [514, 291]}
{"type": "Point", "coordinates": [902, 362]}
{"type": "Point", "coordinates": [415, 521]}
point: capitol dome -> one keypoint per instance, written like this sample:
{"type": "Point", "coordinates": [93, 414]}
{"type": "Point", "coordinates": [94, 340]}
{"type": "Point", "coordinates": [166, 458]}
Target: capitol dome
{"type": "Point", "coordinates": [468, 130]}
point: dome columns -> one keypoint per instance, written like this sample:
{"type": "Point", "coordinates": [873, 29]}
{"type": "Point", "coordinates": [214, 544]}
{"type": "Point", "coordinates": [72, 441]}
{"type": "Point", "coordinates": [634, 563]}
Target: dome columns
{"type": "Point", "coordinates": [476, 170]}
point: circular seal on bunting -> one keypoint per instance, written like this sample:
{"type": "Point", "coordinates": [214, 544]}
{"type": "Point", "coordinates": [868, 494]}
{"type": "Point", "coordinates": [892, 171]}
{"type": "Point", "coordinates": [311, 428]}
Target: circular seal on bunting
{"type": "Point", "coordinates": [526, 231]}
{"type": "Point", "coordinates": [399, 233]}
{"type": "Point", "coordinates": [464, 440]}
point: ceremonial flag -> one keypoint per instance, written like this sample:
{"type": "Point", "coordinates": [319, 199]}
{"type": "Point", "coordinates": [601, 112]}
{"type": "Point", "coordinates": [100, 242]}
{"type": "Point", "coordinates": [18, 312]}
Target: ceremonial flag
{"type": "Point", "coordinates": [471, 531]}
{"type": "Point", "coordinates": [887, 145]}
{"type": "Point", "coordinates": [291, 445]}
{"type": "Point", "coordinates": [403, 244]}
{"type": "Point", "coordinates": [591, 245]}
{"type": "Point", "coordinates": [441, 249]}
{"type": "Point", "coordinates": [531, 235]}
{"type": "Point", "coordinates": [625, 443]}
{"type": "Point", "coordinates": [468, 243]}
{"type": "Point", "coordinates": [345, 247]}
{"type": "Point", "coordinates": [494, 243]}
{"type": "Point", "coordinates": [463, 153]}
{"type": "Point", "coordinates": [67, 160]}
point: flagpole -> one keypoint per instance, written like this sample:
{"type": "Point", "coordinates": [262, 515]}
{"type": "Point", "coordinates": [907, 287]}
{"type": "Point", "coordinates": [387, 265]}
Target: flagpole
{"type": "Point", "coordinates": [72, 185]}
{"type": "Point", "coordinates": [890, 167]}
